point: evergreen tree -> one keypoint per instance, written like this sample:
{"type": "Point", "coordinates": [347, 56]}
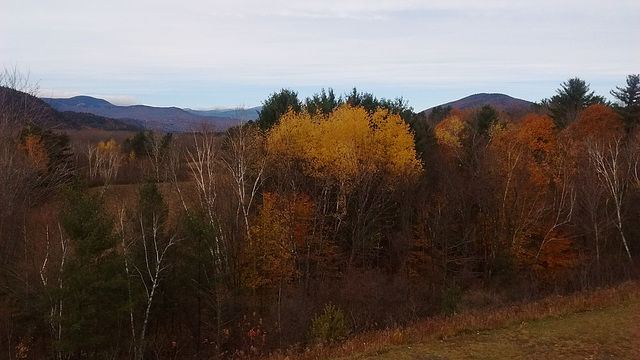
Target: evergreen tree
{"type": "Point", "coordinates": [323, 103]}
{"type": "Point", "coordinates": [486, 117]}
{"type": "Point", "coordinates": [93, 291]}
{"type": "Point", "coordinates": [628, 106]}
{"type": "Point", "coordinates": [572, 97]}
{"type": "Point", "coordinates": [277, 105]}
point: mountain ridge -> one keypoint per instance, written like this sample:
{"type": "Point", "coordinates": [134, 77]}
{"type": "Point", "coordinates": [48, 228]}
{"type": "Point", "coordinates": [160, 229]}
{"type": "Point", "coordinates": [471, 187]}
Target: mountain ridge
{"type": "Point", "coordinates": [164, 119]}
{"type": "Point", "coordinates": [497, 100]}
{"type": "Point", "coordinates": [175, 119]}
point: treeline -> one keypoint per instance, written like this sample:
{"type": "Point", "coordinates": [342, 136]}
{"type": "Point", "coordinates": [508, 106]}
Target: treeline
{"type": "Point", "coordinates": [326, 217]}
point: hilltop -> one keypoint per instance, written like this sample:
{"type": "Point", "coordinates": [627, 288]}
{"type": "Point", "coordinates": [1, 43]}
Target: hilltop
{"type": "Point", "coordinates": [498, 101]}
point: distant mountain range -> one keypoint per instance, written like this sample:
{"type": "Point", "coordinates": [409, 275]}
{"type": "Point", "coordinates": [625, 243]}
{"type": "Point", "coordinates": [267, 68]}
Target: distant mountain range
{"type": "Point", "coordinates": [162, 119]}
{"type": "Point", "coordinates": [238, 113]}
{"type": "Point", "coordinates": [498, 101]}
{"type": "Point", "coordinates": [89, 112]}
{"type": "Point", "coordinates": [37, 112]}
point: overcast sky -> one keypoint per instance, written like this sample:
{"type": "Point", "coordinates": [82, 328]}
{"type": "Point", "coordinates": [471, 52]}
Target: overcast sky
{"type": "Point", "coordinates": [197, 53]}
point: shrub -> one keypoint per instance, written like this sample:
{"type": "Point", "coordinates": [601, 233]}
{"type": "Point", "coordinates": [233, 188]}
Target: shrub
{"type": "Point", "coordinates": [329, 326]}
{"type": "Point", "coordinates": [451, 299]}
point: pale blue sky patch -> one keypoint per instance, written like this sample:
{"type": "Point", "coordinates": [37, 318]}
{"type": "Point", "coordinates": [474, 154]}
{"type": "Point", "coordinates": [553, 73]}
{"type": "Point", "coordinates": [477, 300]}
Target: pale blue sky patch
{"type": "Point", "coordinates": [197, 53]}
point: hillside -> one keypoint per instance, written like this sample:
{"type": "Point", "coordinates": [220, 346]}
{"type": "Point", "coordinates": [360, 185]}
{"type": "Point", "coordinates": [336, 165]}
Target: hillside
{"type": "Point", "coordinates": [601, 324]}
{"type": "Point", "coordinates": [164, 119]}
{"type": "Point", "coordinates": [40, 113]}
{"type": "Point", "coordinates": [498, 101]}
{"type": "Point", "coordinates": [27, 109]}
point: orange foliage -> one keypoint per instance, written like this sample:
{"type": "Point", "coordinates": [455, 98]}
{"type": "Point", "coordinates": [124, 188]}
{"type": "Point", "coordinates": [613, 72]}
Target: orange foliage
{"type": "Point", "coordinates": [35, 151]}
{"type": "Point", "coordinates": [597, 122]}
{"type": "Point", "coordinates": [551, 258]}
{"type": "Point", "coordinates": [282, 228]}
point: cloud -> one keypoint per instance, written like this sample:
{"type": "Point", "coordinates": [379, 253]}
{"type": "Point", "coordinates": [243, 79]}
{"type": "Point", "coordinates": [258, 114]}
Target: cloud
{"type": "Point", "coordinates": [146, 48]}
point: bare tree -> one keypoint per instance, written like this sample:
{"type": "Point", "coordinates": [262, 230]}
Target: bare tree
{"type": "Point", "coordinates": [146, 253]}
{"type": "Point", "coordinates": [614, 171]}
{"type": "Point", "coordinates": [245, 160]}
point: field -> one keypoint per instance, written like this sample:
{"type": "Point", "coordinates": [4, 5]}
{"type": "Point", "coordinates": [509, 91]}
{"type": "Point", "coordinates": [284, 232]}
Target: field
{"type": "Point", "coordinates": [602, 325]}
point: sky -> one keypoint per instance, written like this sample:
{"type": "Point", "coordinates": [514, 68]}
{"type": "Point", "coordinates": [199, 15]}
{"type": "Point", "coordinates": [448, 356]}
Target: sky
{"type": "Point", "coordinates": [205, 54]}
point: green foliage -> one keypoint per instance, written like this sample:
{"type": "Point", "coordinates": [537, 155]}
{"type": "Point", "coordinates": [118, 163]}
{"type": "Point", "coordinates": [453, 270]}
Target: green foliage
{"type": "Point", "coordinates": [329, 326]}
{"type": "Point", "coordinates": [628, 106]}
{"type": "Point", "coordinates": [423, 136]}
{"type": "Point", "coordinates": [139, 144]}
{"type": "Point", "coordinates": [438, 114]}
{"type": "Point", "coordinates": [60, 169]}
{"type": "Point", "coordinates": [398, 106]}
{"type": "Point", "coordinates": [151, 206]}
{"type": "Point", "coordinates": [277, 105]}
{"type": "Point", "coordinates": [86, 223]}
{"type": "Point", "coordinates": [94, 290]}
{"type": "Point", "coordinates": [323, 103]}
{"type": "Point", "coordinates": [451, 299]}
{"type": "Point", "coordinates": [485, 118]}
{"type": "Point", "coordinates": [572, 97]}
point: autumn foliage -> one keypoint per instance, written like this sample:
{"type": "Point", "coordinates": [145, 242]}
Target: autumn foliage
{"type": "Point", "coordinates": [317, 224]}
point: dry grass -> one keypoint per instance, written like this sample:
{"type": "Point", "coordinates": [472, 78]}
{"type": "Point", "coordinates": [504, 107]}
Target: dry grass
{"type": "Point", "coordinates": [504, 326]}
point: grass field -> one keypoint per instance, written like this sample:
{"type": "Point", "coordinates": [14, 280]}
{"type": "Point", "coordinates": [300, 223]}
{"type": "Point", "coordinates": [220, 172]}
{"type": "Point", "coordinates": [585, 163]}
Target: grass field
{"type": "Point", "coordinates": [609, 333]}
{"type": "Point", "coordinates": [601, 325]}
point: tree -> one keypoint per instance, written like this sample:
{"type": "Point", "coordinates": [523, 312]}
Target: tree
{"type": "Point", "coordinates": [628, 106]}
{"type": "Point", "coordinates": [323, 103]}
{"type": "Point", "coordinates": [94, 291]}
{"type": "Point", "coordinates": [370, 103]}
{"type": "Point", "coordinates": [244, 158]}
{"type": "Point", "coordinates": [150, 251]}
{"type": "Point", "coordinates": [533, 200]}
{"type": "Point", "coordinates": [104, 161]}
{"type": "Point", "coordinates": [277, 105]}
{"type": "Point", "coordinates": [572, 97]}
{"type": "Point", "coordinates": [438, 114]}
{"type": "Point", "coordinates": [600, 131]}
{"type": "Point", "coordinates": [451, 133]}
{"type": "Point", "coordinates": [355, 161]}
{"type": "Point", "coordinates": [485, 118]}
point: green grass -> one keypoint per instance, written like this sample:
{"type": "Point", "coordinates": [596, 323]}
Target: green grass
{"type": "Point", "coordinates": [608, 333]}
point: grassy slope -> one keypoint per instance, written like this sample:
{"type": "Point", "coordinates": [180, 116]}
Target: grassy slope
{"type": "Point", "coordinates": [608, 333]}
{"type": "Point", "coordinates": [604, 325]}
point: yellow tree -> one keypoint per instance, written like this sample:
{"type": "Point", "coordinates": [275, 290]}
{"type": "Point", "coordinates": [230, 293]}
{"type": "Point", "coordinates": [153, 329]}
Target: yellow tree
{"type": "Point", "coordinates": [355, 159]}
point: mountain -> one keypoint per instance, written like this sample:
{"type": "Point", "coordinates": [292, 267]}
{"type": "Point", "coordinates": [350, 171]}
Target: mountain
{"type": "Point", "coordinates": [26, 108]}
{"type": "Point", "coordinates": [164, 119]}
{"type": "Point", "coordinates": [248, 114]}
{"type": "Point", "coordinates": [81, 120]}
{"type": "Point", "coordinates": [497, 101]}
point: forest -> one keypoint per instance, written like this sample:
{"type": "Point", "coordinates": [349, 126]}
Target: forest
{"type": "Point", "coordinates": [325, 218]}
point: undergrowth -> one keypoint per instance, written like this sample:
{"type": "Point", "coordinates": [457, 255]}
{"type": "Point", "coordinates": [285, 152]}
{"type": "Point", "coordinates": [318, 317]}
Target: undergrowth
{"type": "Point", "coordinates": [470, 320]}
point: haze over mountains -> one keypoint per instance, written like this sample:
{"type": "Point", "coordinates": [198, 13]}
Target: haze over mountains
{"type": "Point", "coordinates": [173, 119]}
{"type": "Point", "coordinates": [163, 119]}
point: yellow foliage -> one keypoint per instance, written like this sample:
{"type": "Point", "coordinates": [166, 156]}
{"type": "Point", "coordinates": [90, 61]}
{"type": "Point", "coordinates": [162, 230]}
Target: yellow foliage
{"type": "Point", "coordinates": [265, 258]}
{"type": "Point", "coordinates": [450, 132]}
{"type": "Point", "coordinates": [110, 147]}
{"type": "Point", "coordinates": [346, 144]}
